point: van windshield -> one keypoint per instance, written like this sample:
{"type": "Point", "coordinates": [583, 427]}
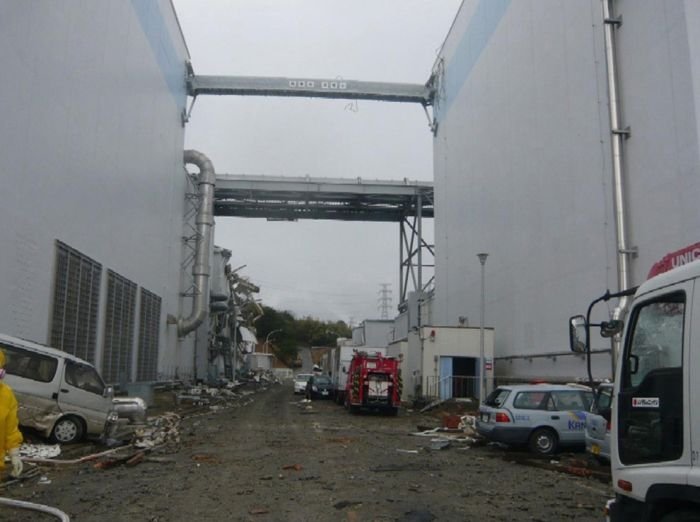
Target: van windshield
{"type": "Point", "coordinates": [84, 377]}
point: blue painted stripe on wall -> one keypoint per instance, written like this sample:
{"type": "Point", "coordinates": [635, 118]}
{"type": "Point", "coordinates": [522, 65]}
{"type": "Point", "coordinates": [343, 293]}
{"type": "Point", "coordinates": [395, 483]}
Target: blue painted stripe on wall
{"type": "Point", "coordinates": [171, 65]}
{"type": "Point", "coordinates": [482, 25]}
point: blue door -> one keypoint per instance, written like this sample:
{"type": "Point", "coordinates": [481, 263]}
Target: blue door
{"type": "Point", "coordinates": [445, 378]}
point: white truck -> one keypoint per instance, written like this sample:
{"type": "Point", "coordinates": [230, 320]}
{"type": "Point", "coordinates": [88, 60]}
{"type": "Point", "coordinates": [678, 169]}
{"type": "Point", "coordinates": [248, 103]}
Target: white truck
{"type": "Point", "coordinates": [340, 358]}
{"type": "Point", "coordinates": [655, 416]}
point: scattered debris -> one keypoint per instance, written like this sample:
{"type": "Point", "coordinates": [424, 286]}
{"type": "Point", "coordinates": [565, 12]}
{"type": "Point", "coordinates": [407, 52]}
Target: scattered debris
{"type": "Point", "coordinates": [341, 440]}
{"type": "Point", "coordinates": [418, 516]}
{"type": "Point", "coordinates": [42, 451]}
{"type": "Point", "coordinates": [346, 503]}
{"type": "Point", "coordinates": [258, 511]}
{"type": "Point", "coordinates": [432, 405]}
{"type": "Point", "coordinates": [158, 431]}
{"type": "Point", "coordinates": [86, 458]}
{"type": "Point", "coordinates": [439, 444]}
{"type": "Point", "coordinates": [205, 457]}
{"type": "Point", "coordinates": [295, 467]}
{"type": "Point", "coordinates": [136, 459]}
{"type": "Point", "coordinates": [415, 452]}
{"type": "Point", "coordinates": [405, 467]}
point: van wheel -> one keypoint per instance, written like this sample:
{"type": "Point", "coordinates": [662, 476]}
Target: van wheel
{"type": "Point", "coordinates": [543, 441]}
{"type": "Point", "coordinates": [67, 430]}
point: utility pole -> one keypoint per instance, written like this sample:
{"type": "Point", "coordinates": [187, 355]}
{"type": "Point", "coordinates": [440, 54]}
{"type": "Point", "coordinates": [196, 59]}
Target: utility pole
{"type": "Point", "coordinates": [482, 260]}
{"type": "Point", "coordinates": [384, 300]}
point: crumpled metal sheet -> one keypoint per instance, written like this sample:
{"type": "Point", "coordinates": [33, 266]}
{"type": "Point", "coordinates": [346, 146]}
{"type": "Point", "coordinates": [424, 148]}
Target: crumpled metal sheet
{"type": "Point", "coordinates": [42, 451]}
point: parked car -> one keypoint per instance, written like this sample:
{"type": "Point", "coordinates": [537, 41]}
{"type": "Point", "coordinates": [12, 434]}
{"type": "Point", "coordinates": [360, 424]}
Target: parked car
{"type": "Point", "coordinates": [598, 423]}
{"type": "Point", "coordinates": [319, 387]}
{"type": "Point", "coordinates": [542, 416]}
{"type": "Point", "coordinates": [300, 381]}
{"type": "Point", "coordinates": [61, 396]}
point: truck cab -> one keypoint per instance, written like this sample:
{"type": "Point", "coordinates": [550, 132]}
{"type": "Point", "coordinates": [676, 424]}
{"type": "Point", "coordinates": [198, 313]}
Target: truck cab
{"type": "Point", "coordinates": [656, 439]}
{"type": "Point", "coordinates": [655, 435]}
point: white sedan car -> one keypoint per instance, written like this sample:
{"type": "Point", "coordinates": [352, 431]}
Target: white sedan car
{"type": "Point", "coordinates": [300, 381]}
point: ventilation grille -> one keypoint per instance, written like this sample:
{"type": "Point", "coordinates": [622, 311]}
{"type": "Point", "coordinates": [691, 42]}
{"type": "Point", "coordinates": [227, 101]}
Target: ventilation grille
{"type": "Point", "coordinates": [119, 328]}
{"type": "Point", "coordinates": [75, 302]}
{"type": "Point", "coordinates": [149, 330]}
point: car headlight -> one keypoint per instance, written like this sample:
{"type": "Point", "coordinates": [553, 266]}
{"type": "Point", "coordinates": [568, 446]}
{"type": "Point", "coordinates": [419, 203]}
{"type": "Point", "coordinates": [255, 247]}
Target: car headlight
{"type": "Point", "coordinates": [314, 388]}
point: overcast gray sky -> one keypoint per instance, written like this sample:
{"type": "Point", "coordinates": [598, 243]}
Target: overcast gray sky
{"type": "Point", "coordinates": [326, 269]}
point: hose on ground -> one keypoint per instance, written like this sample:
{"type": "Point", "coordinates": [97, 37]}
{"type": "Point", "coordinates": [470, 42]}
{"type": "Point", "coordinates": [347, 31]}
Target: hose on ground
{"type": "Point", "coordinates": [35, 507]}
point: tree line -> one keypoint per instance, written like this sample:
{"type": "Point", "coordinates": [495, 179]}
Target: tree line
{"type": "Point", "coordinates": [287, 333]}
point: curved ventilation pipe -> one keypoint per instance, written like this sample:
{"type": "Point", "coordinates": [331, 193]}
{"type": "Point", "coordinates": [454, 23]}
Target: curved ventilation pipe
{"type": "Point", "coordinates": [204, 223]}
{"type": "Point", "coordinates": [624, 252]}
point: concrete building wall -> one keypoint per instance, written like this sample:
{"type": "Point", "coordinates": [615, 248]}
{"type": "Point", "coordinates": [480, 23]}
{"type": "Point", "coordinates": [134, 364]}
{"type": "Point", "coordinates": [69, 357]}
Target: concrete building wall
{"type": "Point", "coordinates": [454, 342]}
{"type": "Point", "coordinates": [522, 163]}
{"type": "Point", "coordinates": [92, 144]}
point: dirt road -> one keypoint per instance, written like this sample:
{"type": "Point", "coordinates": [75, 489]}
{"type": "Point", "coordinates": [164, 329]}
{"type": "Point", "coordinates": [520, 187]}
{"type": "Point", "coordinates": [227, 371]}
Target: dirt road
{"type": "Point", "coordinates": [270, 459]}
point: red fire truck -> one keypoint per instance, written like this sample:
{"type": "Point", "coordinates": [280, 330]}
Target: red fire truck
{"type": "Point", "coordinates": [374, 382]}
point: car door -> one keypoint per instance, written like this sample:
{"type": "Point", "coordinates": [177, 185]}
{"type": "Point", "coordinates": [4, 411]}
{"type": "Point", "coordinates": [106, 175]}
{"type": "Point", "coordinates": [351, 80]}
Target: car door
{"type": "Point", "coordinates": [530, 408]}
{"type": "Point", "coordinates": [596, 421]}
{"type": "Point", "coordinates": [569, 415]}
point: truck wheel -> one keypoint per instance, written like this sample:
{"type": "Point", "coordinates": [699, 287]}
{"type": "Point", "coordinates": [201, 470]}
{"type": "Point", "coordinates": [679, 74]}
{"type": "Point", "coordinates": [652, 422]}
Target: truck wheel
{"type": "Point", "coordinates": [543, 441]}
{"type": "Point", "coordinates": [67, 430]}
{"type": "Point", "coordinates": [681, 515]}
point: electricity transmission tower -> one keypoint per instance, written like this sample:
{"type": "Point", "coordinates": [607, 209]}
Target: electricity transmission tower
{"type": "Point", "coordinates": [384, 301]}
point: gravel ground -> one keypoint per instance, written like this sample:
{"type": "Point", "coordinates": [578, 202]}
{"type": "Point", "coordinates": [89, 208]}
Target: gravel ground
{"type": "Point", "coordinates": [267, 457]}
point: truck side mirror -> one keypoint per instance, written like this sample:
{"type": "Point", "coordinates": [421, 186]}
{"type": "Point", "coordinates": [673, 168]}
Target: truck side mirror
{"type": "Point", "coordinates": [108, 392]}
{"type": "Point", "coordinates": [611, 328]}
{"type": "Point", "coordinates": [577, 334]}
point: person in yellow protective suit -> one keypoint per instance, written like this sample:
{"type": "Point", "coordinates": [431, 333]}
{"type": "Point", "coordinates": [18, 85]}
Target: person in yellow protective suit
{"type": "Point", "coordinates": [10, 436]}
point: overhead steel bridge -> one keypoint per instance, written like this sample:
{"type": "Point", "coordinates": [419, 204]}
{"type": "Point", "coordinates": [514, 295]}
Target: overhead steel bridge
{"type": "Point", "coordinates": [278, 198]}
{"type": "Point", "coordinates": [291, 199]}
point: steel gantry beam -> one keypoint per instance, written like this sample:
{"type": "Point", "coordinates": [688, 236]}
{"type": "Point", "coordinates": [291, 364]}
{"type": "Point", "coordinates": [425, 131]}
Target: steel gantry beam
{"type": "Point", "coordinates": [290, 199]}
{"type": "Point", "coordinates": [278, 198]}
{"type": "Point", "coordinates": [309, 88]}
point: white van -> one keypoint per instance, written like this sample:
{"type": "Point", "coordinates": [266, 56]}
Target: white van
{"type": "Point", "coordinates": [61, 396]}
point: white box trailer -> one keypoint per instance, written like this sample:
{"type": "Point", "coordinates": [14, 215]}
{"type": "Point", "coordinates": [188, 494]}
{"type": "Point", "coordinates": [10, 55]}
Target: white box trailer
{"type": "Point", "coordinates": [340, 364]}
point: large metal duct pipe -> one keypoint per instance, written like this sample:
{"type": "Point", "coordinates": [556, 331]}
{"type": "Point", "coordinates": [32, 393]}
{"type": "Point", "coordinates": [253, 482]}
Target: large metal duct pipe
{"type": "Point", "coordinates": [624, 252]}
{"type": "Point", "coordinates": [204, 224]}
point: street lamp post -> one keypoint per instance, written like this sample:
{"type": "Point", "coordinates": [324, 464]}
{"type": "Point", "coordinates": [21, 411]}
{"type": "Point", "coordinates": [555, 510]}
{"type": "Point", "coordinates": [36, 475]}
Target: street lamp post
{"type": "Point", "coordinates": [482, 259]}
{"type": "Point", "coordinates": [267, 339]}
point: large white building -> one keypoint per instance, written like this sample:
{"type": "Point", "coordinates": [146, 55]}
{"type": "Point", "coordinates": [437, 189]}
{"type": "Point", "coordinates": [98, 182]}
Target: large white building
{"type": "Point", "coordinates": [94, 188]}
{"type": "Point", "coordinates": [524, 164]}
